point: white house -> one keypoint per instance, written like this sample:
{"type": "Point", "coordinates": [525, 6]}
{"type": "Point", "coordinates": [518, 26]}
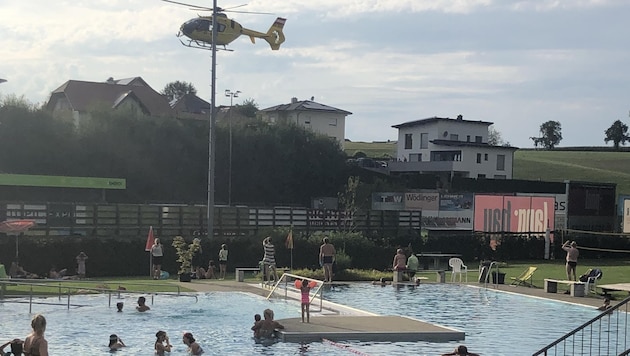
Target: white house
{"type": "Point", "coordinates": [317, 117]}
{"type": "Point", "coordinates": [450, 148]}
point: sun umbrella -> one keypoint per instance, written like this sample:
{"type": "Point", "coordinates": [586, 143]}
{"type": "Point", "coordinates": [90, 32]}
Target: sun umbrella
{"type": "Point", "coordinates": [16, 227]}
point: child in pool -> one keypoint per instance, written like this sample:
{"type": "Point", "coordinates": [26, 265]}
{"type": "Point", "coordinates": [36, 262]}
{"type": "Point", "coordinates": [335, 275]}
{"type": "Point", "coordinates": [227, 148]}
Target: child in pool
{"type": "Point", "coordinates": [257, 319]}
{"type": "Point", "coordinates": [115, 342]}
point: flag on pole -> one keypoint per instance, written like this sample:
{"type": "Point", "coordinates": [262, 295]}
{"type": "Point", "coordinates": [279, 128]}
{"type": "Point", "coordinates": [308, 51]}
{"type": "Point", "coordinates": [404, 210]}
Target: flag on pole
{"type": "Point", "coordinates": [289, 242]}
{"type": "Point", "coordinates": [150, 240]}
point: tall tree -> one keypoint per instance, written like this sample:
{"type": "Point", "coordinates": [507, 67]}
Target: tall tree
{"type": "Point", "coordinates": [494, 137]}
{"type": "Point", "coordinates": [551, 134]}
{"type": "Point", "coordinates": [248, 108]}
{"type": "Point", "coordinates": [617, 133]}
{"type": "Point", "coordinates": [175, 90]}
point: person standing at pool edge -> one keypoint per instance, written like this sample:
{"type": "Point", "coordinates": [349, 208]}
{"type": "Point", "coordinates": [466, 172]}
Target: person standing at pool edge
{"type": "Point", "coordinates": [269, 259]}
{"type": "Point", "coordinates": [81, 264]}
{"type": "Point", "coordinates": [326, 259]}
{"type": "Point", "coordinates": [223, 258]}
{"type": "Point", "coordinates": [572, 256]}
{"type": "Point", "coordinates": [157, 253]}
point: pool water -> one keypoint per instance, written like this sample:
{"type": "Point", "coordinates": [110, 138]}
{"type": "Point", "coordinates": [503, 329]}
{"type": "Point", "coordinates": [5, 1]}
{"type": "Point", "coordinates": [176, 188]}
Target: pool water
{"type": "Point", "coordinates": [495, 323]}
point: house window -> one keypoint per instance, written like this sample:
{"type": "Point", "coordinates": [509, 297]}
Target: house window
{"type": "Point", "coordinates": [500, 162]}
{"type": "Point", "coordinates": [478, 139]}
{"type": "Point", "coordinates": [408, 141]}
{"type": "Point", "coordinates": [454, 137]}
{"type": "Point", "coordinates": [424, 140]}
{"type": "Point", "coordinates": [485, 157]}
{"type": "Point", "coordinates": [467, 138]}
{"type": "Point", "coordinates": [307, 122]}
{"type": "Point", "coordinates": [478, 157]}
{"type": "Point", "coordinates": [415, 157]}
{"type": "Point", "coordinates": [481, 176]}
{"type": "Point", "coordinates": [333, 122]}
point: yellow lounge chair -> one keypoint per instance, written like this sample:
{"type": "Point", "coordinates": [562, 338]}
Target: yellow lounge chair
{"type": "Point", "coordinates": [524, 277]}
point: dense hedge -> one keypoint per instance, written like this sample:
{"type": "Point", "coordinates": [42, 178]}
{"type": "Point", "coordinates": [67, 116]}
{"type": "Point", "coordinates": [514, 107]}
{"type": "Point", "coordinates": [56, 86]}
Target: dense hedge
{"type": "Point", "coordinates": [127, 257]}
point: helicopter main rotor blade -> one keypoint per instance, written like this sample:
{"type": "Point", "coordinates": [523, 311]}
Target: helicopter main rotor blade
{"type": "Point", "coordinates": [195, 7]}
{"type": "Point", "coordinates": [249, 12]}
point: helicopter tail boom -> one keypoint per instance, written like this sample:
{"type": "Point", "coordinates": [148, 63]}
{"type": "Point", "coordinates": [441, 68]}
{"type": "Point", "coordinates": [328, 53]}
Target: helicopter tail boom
{"type": "Point", "coordinates": [275, 36]}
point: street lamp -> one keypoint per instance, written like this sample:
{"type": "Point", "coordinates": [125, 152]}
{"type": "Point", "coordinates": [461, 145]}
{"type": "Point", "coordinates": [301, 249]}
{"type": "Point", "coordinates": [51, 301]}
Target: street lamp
{"type": "Point", "coordinates": [232, 95]}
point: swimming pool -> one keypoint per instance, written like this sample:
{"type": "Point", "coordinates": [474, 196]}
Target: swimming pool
{"type": "Point", "coordinates": [495, 323]}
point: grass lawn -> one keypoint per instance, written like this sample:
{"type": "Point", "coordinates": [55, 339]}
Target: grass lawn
{"type": "Point", "coordinates": [614, 271]}
{"type": "Point", "coordinates": [590, 166]}
{"type": "Point", "coordinates": [130, 284]}
{"type": "Point", "coordinates": [608, 167]}
{"type": "Point", "coordinates": [379, 150]}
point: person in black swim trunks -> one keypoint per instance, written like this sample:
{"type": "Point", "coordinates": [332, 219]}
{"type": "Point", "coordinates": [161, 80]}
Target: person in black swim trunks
{"type": "Point", "coordinates": [327, 258]}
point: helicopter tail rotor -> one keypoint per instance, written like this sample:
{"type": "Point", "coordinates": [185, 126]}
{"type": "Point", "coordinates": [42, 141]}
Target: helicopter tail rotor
{"type": "Point", "coordinates": [275, 36]}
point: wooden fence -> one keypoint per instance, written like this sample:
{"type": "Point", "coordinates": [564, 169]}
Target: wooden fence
{"type": "Point", "coordinates": [106, 220]}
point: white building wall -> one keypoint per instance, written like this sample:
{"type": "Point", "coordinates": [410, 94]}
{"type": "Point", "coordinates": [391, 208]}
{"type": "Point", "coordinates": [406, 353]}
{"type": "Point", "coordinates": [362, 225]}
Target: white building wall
{"type": "Point", "coordinates": [462, 129]}
{"type": "Point", "coordinates": [326, 123]}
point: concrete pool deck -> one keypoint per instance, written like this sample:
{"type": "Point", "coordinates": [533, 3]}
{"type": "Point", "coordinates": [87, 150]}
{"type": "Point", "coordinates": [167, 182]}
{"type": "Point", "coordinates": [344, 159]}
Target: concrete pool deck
{"type": "Point", "coordinates": [335, 323]}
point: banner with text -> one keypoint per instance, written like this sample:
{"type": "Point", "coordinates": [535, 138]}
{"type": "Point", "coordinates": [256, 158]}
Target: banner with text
{"type": "Point", "coordinates": [422, 201]}
{"type": "Point", "coordinates": [516, 214]}
{"type": "Point", "coordinates": [388, 201]}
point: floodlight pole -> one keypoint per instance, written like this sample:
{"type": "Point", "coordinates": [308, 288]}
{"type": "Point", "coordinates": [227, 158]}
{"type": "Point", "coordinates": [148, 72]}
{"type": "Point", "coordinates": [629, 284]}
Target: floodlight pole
{"type": "Point", "coordinates": [211, 126]}
{"type": "Point", "coordinates": [232, 95]}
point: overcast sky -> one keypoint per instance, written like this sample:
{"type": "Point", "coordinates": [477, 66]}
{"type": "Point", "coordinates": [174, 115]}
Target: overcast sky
{"type": "Point", "coordinates": [514, 63]}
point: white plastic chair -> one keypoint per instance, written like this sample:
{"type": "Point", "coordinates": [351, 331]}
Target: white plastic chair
{"type": "Point", "coordinates": [458, 267]}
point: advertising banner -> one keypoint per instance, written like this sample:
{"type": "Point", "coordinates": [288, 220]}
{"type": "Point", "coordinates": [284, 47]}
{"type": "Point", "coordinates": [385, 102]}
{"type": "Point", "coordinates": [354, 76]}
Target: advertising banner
{"type": "Point", "coordinates": [388, 201]}
{"type": "Point", "coordinates": [516, 214]}
{"type": "Point", "coordinates": [422, 201]}
{"type": "Point", "coordinates": [456, 202]}
{"type": "Point", "coordinates": [560, 207]}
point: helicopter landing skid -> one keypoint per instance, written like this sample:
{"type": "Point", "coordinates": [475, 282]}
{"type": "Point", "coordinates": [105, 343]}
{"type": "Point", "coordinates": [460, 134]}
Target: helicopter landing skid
{"type": "Point", "coordinates": [202, 45]}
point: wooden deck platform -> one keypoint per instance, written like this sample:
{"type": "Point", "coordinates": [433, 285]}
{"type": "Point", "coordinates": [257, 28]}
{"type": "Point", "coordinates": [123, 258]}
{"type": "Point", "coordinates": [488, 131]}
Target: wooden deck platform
{"type": "Point", "coordinates": [365, 328]}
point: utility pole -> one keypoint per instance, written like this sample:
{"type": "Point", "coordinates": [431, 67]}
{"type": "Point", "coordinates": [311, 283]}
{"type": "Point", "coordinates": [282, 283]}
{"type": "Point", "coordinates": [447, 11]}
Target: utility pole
{"type": "Point", "coordinates": [211, 127]}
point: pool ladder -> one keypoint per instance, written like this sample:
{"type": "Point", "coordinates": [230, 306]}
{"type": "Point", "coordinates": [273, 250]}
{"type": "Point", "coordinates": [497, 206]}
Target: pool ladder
{"type": "Point", "coordinates": [487, 277]}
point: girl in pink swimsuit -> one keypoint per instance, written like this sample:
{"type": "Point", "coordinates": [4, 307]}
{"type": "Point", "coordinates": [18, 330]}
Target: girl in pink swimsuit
{"type": "Point", "coordinates": [305, 288]}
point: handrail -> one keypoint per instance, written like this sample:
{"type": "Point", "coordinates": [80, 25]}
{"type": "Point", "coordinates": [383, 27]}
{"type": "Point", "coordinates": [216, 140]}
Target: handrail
{"type": "Point", "coordinates": [22, 282]}
{"type": "Point", "coordinates": [318, 291]}
{"type": "Point", "coordinates": [496, 282]}
{"type": "Point", "coordinates": [603, 314]}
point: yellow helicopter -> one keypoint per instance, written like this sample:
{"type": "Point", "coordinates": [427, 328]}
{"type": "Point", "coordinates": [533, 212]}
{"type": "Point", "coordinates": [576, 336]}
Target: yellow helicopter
{"type": "Point", "coordinates": [199, 30]}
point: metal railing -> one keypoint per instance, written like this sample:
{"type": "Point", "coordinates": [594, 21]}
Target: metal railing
{"type": "Point", "coordinates": [284, 283]}
{"type": "Point", "coordinates": [67, 290]}
{"type": "Point", "coordinates": [486, 278]}
{"type": "Point", "coordinates": [606, 334]}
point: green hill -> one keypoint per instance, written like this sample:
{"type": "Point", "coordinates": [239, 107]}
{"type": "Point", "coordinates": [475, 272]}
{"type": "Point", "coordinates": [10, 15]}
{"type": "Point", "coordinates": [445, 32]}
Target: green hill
{"type": "Point", "coordinates": [378, 150]}
{"type": "Point", "coordinates": [590, 166]}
